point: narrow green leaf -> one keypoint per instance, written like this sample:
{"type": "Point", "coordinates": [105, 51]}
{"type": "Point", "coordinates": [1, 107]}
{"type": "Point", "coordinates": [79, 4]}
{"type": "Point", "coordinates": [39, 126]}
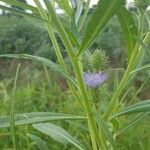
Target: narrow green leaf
{"type": "Point", "coordinates": [129, 28]}
{"type": "Point", "coordinates": [139, 107]}
{"type": "Point", "coordinates": [58, 134]}
{"type": "Point", "coordinates": [55, 67]}
{"type": "Point", "coordinates": [39, 142]}
{"type": "Point", "coordinates": [141, 68]}
{"type": "Point", "coordinates": [32, 18]}
{"type": "Point", "coordinates": [12, 106]}
{"type": "Point", "coordinates": [132, 123]}
{"type": "Point", "coordinates": [141, 87]}
{"type": "Point", "coordinates": [36, 117]}
{"type": "Point", "coordinates": [21, 13]}
{"type": "Point", "coordinates": [21, 5]}
{"type": "Point", "coordinates": [104, 11]}
{"type": "Point", "coordinates": [105, 130]}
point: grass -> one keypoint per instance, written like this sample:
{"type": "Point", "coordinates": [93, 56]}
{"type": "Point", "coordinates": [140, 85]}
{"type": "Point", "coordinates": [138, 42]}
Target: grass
{"type": "Point", "coordinates": [32, 97]}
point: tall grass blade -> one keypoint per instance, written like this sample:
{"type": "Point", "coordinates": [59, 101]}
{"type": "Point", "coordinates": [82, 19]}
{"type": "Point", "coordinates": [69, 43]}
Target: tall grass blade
{"type": "Point", "coordinates": [39, 142]}
{"type": "Point", "coordinates": [36, 117]}
{"type": "Point", "coordinates": [139, 107]}
{"type": "Point", "coordinates": [132, 123]}
{"type": "Point", "coordinates": [58, 134]}
{"type": "Point", "coordinates": [145, 67]}
{"type": "Point", "coordinates": [12, 105]}
{"type": "Point", "coordinates": [21, 13]}
{"type": "Point", "coordinates": [21, 5]}
{"type": "Point", "coordinates": [139, 89]}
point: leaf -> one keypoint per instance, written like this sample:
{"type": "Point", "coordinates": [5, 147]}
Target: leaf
{"type": "Point", "coordinates": [35, 117]}
{"type": "Point", "coordinates": [21, 13]}
{"type": "Point", "coordinates": [133, 122]}
{"type": "Point", "coordinates": [58, 134]}
{"type": "Point", "coordinates": [104, 11]}
{"type": "Point", "coordinates": [55, 67]}
{"type": "Point", "coordinates": [139, 107]}
{"type": "Point", "coordinates": [129, 28]}
{"type": "Point", "coordinates": [141, 68]}
{"type": "Point", "coordinates": [105, 129]}
{"type": "Point", "coordinates": [12, 107]}
{"type": "Point", "coordinates": [39, 142]}
{"type": "Point", "coordinates": [21, 5]}
{"type": "Point", "coordinates": [137, 91]}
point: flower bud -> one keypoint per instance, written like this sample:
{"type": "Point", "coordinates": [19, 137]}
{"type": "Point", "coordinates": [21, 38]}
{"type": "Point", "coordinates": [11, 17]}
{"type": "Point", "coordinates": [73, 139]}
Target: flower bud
{"type": "Point", "coordinates": [99, 60]}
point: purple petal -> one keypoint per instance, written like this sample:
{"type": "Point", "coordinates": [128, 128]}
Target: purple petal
{"type": "Point", "coordinates": [94, 79]}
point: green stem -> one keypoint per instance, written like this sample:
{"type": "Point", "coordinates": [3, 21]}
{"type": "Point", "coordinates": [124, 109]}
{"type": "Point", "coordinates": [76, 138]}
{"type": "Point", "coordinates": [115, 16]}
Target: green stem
{"type": "Point", "coordinates": [12, 105]}
{"type": "Point", "coordinates": [94, 145]}
{"type": "Point", "coordinates": [78, 73]}
{"type": "Point", "coordinates": [91, 122]}
{"type": "Point", "coordinates": [103, 142]}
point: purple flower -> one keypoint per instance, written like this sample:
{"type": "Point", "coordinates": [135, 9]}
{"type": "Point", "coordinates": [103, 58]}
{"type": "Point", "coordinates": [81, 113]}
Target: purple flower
{"type": "Point", "coordinates": [94, 79]}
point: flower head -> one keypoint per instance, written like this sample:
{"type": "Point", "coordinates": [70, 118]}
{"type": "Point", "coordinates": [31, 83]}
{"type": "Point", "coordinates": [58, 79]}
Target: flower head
{"type": "Point", "coordinates": [99, 60]}
{"type": "Point", "coordinates": [94, 79]}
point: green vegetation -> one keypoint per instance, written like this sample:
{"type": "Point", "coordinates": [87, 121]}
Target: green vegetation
{"type": "Point", "coordinates": [45, 102]}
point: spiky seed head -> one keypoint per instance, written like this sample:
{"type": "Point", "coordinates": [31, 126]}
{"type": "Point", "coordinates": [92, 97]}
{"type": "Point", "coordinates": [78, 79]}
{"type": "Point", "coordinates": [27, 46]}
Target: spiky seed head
{"type": "Point", "coordinates": [99, 60]}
